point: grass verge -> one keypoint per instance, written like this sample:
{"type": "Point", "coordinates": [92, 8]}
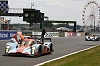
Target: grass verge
{"type": "Point", "coordinates": [89, 57]}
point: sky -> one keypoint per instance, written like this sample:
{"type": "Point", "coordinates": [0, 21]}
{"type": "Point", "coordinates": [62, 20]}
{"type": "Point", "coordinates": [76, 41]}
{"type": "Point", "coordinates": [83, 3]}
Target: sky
{"type": "Point", "coordinates": [63, 10]}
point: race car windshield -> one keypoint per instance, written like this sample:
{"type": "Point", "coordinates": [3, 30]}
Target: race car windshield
{"type": "Point", "coordinates": [11, 41]}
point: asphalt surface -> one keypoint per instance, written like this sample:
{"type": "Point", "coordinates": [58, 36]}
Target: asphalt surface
{"type": "Point", "coordinates": [62, 46]}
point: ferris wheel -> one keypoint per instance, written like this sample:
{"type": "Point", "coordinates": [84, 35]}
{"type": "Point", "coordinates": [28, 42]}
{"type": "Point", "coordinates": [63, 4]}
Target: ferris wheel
{"type": "Point", "coordinates": [91, 15]}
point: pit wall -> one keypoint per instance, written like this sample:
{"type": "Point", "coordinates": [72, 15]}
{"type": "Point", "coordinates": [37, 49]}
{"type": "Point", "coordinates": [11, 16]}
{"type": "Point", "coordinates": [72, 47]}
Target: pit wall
{"type": "Point", "coordinates": [66, 34]}
{"type": "Point", "coordinates": [58, 34]}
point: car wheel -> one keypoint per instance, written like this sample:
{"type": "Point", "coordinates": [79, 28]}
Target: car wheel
{"type": "Point", "coordinates": [51, 48]}
{"type": "Point", "coordinates": [86, 39]}
{"type": "Point", "coordinates": [97, 39]}
{"type": "Point", "coordinates": [39, 51]}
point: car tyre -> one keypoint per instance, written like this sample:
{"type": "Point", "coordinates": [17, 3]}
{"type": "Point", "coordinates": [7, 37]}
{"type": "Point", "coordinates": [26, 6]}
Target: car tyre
{"type": "Point", "coordinates": [39, 51]}
{"type": "Point", "coordinates": [51, 48]}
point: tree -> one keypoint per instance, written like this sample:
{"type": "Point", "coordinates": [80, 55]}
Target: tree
{"type": "Point", "coordinates": [63, 25]}
{"type": "Point", "coordinates": [49, 24]}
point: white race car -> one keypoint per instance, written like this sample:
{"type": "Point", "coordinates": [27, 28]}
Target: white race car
{"type": "Point", "coordinates": [94, 36]}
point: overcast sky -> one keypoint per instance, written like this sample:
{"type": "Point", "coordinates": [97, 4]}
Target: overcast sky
{"type": "Point", "coordinates": [54, 9]}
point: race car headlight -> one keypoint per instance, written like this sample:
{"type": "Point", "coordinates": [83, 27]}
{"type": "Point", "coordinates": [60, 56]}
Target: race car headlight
{"type": "Point", "coordinates": [7, 49]}
{"type": "Point", "coordinates": [33, 50]}
{"type": "Point", "coordinates": [95, 37]}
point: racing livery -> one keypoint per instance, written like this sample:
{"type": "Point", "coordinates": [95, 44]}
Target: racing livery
{"type": "Point", "coordinates": [28, 47]}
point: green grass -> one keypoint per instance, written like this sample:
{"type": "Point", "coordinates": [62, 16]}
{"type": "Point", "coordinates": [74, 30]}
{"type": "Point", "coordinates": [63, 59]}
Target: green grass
{"type": "Point", "coordinates": [89, 57]}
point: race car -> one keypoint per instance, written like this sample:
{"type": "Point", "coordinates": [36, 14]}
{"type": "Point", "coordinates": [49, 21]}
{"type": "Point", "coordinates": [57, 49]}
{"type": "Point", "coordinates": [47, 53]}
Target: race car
{"type": "Point", "coordinates": [92, 37]}
{"type": "Point", "coordinates": [28, 47]}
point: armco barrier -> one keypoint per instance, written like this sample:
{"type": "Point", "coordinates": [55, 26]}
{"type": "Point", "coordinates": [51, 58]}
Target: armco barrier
{"type": "Point", "coordinates": [7, 34]}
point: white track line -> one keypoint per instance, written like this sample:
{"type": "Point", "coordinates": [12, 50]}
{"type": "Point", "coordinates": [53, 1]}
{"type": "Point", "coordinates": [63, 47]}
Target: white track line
{"type": "Point", "coordinates": [65, 56]}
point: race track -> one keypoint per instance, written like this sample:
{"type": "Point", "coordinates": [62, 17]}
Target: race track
{"type": "Point", "coordinates": [62, 46]}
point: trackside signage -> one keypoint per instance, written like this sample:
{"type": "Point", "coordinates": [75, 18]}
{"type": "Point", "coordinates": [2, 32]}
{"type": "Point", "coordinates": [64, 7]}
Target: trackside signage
{"type": "Point", "coordinates": [6, 35]}
{"type": "Point", "coordinates": [70, 34]}
{"type": "Point", "coordinates": [49, 34]}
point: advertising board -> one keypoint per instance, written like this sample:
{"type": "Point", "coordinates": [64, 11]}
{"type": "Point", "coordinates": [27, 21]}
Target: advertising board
{"type": "Point", "coordinates": [6, 35]}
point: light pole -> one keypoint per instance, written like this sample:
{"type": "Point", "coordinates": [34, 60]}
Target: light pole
{"type": "Point", "coordinates": [32, 4]}
{"type": "Point", "coordinates": [94, 23]}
